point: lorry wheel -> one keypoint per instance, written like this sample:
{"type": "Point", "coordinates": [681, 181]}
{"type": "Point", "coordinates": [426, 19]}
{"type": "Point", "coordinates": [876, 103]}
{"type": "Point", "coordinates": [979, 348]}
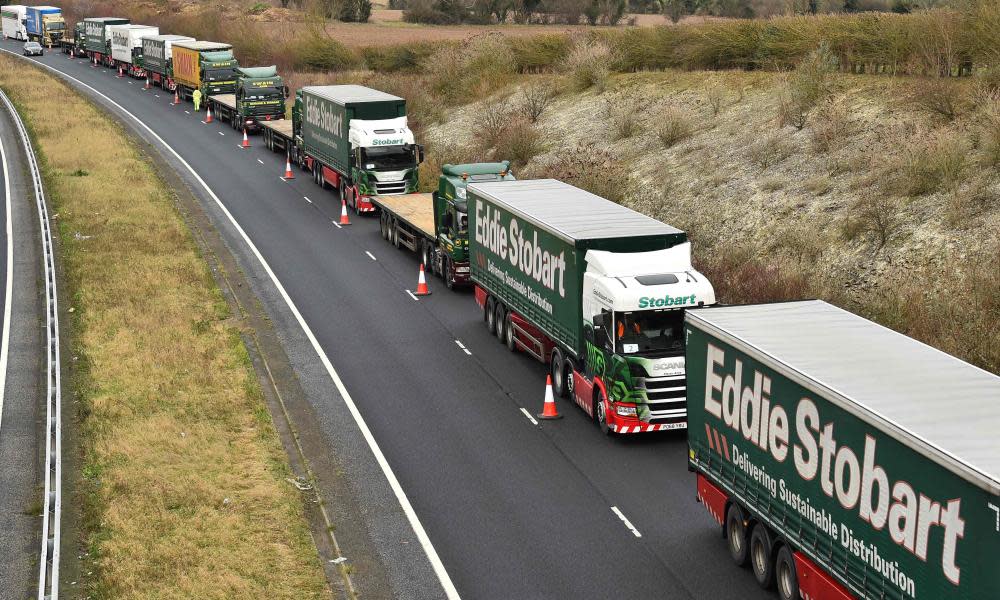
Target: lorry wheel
{"type": "Point", "coordinates": [785, 576]}
{"type": "Point", "coordinates": [569, 367]}
{"type": "Point", "coordinates": [557, 368]}
{"type": "Point", "coordinates": [601, 413]}
{"type": "Point", "coordinates": [427, 256]}
{"type": "Point", "coordinates": [509, 339]}
{"type": "Point", "coordinates": [736, 536]}
{"type": "Point", "coordinates": [447, 273]}
{"type": "Point", "coordinates": [489, 314]}
{"type": "Point", "coordinates": [760, 556]}
{"type": "Point", "coordinates": [381, 225]}
{"type": "Point", "coordinates": [500, 319]}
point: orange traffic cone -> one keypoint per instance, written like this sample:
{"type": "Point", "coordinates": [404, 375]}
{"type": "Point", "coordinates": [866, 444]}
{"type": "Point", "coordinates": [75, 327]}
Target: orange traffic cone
{"type": "Point", "coordinates": [177, 97]}
{"type": "Point", "coordinates": [549, 408]}
{"type": "Point", "coordinates": [121, 73]}
{"type": "Point", "coordinates": [422, 289]}
{"type": "Point", "coordinates": [208, 115]}
{"type": "Point", "coordinates": [288, 168]}
{"type": "Point", "coordinates": [246, 142]}
{"type": "Point", "coordinates": [343, 213]}
{"type": "Point", "coordinates": [149, 84]}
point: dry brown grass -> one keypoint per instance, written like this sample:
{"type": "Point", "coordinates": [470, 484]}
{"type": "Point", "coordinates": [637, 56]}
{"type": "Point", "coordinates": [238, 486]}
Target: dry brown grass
{"type": "Point", "coordinates": [183, 477]}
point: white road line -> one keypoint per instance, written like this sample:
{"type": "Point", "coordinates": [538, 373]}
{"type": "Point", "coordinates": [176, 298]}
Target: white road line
{"type": "Point", "coordinates": [336, 224]}
{"type": "Point", "coordinates": [220, 133]}
{"type": "Point", "coordinates": [157, 95]}
{"type": "Point", "coordinates": [370, 255]}
{"type": "Point", "coordinates": [460, 344]}
{"type": "Point", "coordinates": [412, 296]}
{"type": "Point", "coordinates": [432, 556]}
{"type": "Point", "coordinates": [260, 161]}
{"type": "Point", "coordinates": [187, 112]}
{"type": "Point", "coordinates": [9, 289]}
{"type": "Point", "coordinates": [625, 520]}
{"type": "Point", "coordinates": [307, 199]}
{"type": "Point", "coordinates": [528, 414]}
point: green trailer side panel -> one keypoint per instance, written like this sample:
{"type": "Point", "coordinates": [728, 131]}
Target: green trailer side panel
{"type": "Point", "coordinates": [95, 32]}
{"type": "Point", "coordinates": [830, 531]}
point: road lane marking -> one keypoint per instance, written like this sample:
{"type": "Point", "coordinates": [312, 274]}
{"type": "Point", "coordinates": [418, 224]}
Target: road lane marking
{"type": "Point", "coordinates": [412, 296]}
{"type": "Point", "coordinates": [260, 161]}
{"type": "Point", "coordinates": [187, 112]}
{"type": "Point", "coordinates": [370, 255]}
{"type": "Point", "coordinates": [528, 414]}
{"type": "Point", "coordinates": [625, 520]}
{"type": "Point", "coordinates": [411, 516]}
{"type": "Point", "coordinates": [307, 199]}
{"type": "Point", "coordinates": [220, 133]}
{"type": "Point", "coordinates": [336, 224]}
{"type": "Point", "coordinates": [462, 346]}
{"type": "Point", "coordinates": [9, 288]}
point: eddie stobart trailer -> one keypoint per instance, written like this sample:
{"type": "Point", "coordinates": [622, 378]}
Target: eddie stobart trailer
{"type": "Point", "coordinates": [436, 225]}
{"type": "Point", "coordinates": [157, 58]}
{"type": "Point", "coordinates": [126, 47]}
{"type": "Point", "coordinates": [98, 39]}
{"type": "Point", "coordinates": [595, 290]}
{"type": "Point", "coordinates": [842, 459]}
{"type": "Point", "coordinates": [260, 97]}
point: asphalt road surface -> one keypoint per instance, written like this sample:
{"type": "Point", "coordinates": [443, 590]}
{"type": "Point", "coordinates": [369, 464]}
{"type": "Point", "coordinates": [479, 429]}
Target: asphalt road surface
{"type": "Point", "coordinates": [21, 372]}
{"type": "Point", "coordinates": [513, 509]}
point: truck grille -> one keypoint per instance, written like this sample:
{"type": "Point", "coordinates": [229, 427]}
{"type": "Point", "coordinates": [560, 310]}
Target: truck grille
{"type": "Point", "coordinates": [667, 398]}
{"type": "Point", "coordinates": [389, 188]}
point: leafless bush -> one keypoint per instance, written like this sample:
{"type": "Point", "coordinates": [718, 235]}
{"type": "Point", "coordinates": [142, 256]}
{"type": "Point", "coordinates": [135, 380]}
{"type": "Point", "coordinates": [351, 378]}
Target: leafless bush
{"type": "Point", "coordinates": [768, 151]}
{"type": "Point", "coordinates": [938, 97]}
{"type": "Point", "coordinates": [534, 100]}
{"type": "Point", "coordinates": [595, 169]}
{"type": "Point", "coordinates": [674, 126]}
{"type": "Point", "coordinates": [830, 128]}
{"type": "Point", "coordinates": [806, 86]}
{"type": "Point", "coordinates": [623, 114]}
{"type": "Point", "coordinates": [876, 213]}
{"type": "Point", "coordinates": [588, 64]}
{"type": "Point", "coordinates": [491, 121]}
{"type": "Point", "coordinates": [519, 142]}
{"type": "Point", "coordinates": [716, 97]}
{"type": "Point", "coordinates": [939, 160]}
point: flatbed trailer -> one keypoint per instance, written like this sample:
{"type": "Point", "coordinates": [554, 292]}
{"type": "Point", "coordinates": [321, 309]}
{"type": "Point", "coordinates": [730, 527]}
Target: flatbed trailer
{"type": "Point", "coordinates": [224, 107]}
{"type": "Point", "coordinates": [278, 137]}
{"type": "Point", "coordinates": [407, 220]}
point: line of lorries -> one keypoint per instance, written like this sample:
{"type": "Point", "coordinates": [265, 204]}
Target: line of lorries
{"type": "Point", "coordinates": [842, 460]}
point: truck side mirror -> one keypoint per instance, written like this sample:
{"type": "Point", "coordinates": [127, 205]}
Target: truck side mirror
{"type": "Point", "coordinates": [601, 338]}
{"type": "Point", "coordinates": [420, 154]}
{"type": "Point", "coordinates": [285, 91]}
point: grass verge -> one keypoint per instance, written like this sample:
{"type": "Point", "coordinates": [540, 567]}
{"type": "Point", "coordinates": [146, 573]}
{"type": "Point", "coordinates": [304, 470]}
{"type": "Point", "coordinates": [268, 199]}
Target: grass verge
{"type": "Point", "coordinates": [182, 474]}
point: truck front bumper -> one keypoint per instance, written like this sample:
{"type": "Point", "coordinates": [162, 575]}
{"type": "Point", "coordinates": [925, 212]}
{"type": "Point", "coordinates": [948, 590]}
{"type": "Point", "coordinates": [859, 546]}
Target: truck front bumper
{"type": "Point", "coordinates": [623, 424]}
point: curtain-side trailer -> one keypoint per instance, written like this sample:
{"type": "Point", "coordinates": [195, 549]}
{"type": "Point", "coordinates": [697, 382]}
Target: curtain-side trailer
{"type": "Point", "coordinates": [206, 66]}
{"type": "Point", "coordinates": [157, 58]}
{"type": "Point", "coordinates": [842, 459]}
{"type": "Point", "coordinates": [126, 47]}
{"type": "Point", "coordinates": [12, 19]}
{"type": "Point", "coordinates": [97, 38]}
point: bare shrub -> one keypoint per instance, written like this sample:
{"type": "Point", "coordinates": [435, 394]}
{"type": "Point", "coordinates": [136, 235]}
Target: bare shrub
{"type": "Point", "coordinates": [595, 169]}
{"type": "Point", "coordinates": [715, 95]}
{"type": "Point", "coordinates": [927, 165]}
{"type": "Point", "coordinates": [491, 121]}
{"type": "Point", "coordinates": [830, 128]}
{"type": "Point", "coordinates": [519, 142]}
{"type": "Point", "coordinates": [674, 125]}
{"type": "Point", "coordinates": [623, 115]}
{"type": "Point", "coordinates": [988, 104]}
{"type": "Point", "coordinates": [806, 86]}
{"type": "Point", "coordinates": [743, 277]}
{"type": "Point", "coordinates": [876, 213]}
{"type": "Point", "coordinates": [962, 205]}
{"type": "Point", "coordinates": [938, 97]}
{"type": "Point", "coordinates": [534, 100]}
{"type": "Point", "coordinates": [476, 68]}
{"type": "Point", "coordinates": [769, 151]}
{"type": "Point", "coordinates": [588, 65]}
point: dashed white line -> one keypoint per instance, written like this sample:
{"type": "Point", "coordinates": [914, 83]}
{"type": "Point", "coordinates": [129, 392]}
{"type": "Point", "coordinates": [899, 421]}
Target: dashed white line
{"type": "Point", "coordinates": [307, 199]}
{"type": "Point", "coordinates": [187, 112]}
{"type": "Point", "coordinates": [220, 133]}
{"type": "Point", "coordinates": [462, 346]}
{"type": "Point", "coordinates": [625, 520]}
{"type": "Point", "coordinates": [260, 161]}
{"type": "Point", "coordinates": [157, 95]}
{"type": "Point", "coordinates": [370, 255]}
{"type": "Point", "coordinates": [412, 296]}
{"type": "Point", "coordinates": [334, 223]}
{"type": "Point", "coordinates": [528, 414]}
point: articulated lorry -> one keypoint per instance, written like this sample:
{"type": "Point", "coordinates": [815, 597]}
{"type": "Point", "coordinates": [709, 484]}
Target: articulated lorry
{"type": "Point", "coordinates": [12, 19]}
{"type": "Point", "coordinates": [206, 66]}
{"type": "Point", "coordinates": [260, 96]}
{"type": "Point", "coordinates": [842, 459]}
{"type": "Point", "coordinates": [436, 225]}
{"type": "Point", "coordinates": [76, 44]}
{"type": "Point", "coordinates": [126, 47]}
{"type": "Point", "coordinates": [98, 38]}
{"type": "Point", "coordinates": [593, 289]}
{"type": "Point", "coordinates": [45, 25]}
{"type": "Point", "coordinates": [157, 58]}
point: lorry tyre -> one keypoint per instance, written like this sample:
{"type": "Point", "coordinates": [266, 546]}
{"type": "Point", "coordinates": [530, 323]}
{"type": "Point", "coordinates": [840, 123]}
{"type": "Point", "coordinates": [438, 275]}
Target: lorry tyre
{"type": "Point", "coordinates": [509, 338]}
{"type": "Point", "coordinates": [760, 556]}
{"type": "Point", "coordinates": [601, 412]}
{"type": "Point", "coordinates": [557, 369]}
{"type": "Point", "coordinates": [786, 579]}
{"type": "Point", "coordinates": [447, 273]}
{"type": "Point", "coordinates": [381, 226]}
{"type": "Point", "coordinates": [500, 319]}
{"type": "Point", "coordinates": [570, 368]}
{"type": "Point", "coordinates": [489, 314]}
{"type": "Point", "coordinates": [736, 536]}
{"type": "Point", "coordinates": [427, 256]}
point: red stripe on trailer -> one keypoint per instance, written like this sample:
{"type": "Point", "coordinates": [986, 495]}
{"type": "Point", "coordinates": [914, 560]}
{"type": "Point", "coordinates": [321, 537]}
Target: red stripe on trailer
{"type": "Point", "coordinates": [725, 445]}
{"type": "Point", "coordinates": [708, 432]}
{"type": "Point", "coordinates": [481, 297]}
{"type": "Point", "coordinates": [713, 498]}
{"type": "Point", "coordinates": [814, 583]}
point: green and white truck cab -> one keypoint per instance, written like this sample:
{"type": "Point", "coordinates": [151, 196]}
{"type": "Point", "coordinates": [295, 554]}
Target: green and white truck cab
{"type": "Point", "coordinates": [386, 157]}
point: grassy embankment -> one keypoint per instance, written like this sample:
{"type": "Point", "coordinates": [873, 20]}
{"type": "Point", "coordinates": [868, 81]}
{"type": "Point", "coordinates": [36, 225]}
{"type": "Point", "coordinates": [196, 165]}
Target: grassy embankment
{"type": "Point", "coordinates": [183, 476]}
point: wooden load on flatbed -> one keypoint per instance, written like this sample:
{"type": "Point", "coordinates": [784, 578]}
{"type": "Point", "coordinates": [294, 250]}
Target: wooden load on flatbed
{"type": "Point", "coordinates": [277, 135]}
{"type": "Point", "coordinates": [414, 211]}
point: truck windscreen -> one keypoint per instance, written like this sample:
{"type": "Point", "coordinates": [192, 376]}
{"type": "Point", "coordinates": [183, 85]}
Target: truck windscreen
{"type": "Point", "coordinates": [650, 332]}
{"type": "Point", "coordinates": [56, 26]}
{"type": "Point", "coordinates": [220, 75]}
{"type": "Point", "coordinates": [389, 158]}
{"type": "Point", "coordinates": [259, 93]}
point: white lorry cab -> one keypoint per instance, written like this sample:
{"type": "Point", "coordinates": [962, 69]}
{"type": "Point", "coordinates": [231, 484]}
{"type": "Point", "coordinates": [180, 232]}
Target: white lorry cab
{"type": "Point", "coordinates": [13, 17]}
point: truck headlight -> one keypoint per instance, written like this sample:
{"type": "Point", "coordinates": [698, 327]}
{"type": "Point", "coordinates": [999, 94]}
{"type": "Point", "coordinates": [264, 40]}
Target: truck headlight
{"type": "Point", "coordinates": [625, 411]}
{"type": "Point", "coordinates": [460, 193]}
